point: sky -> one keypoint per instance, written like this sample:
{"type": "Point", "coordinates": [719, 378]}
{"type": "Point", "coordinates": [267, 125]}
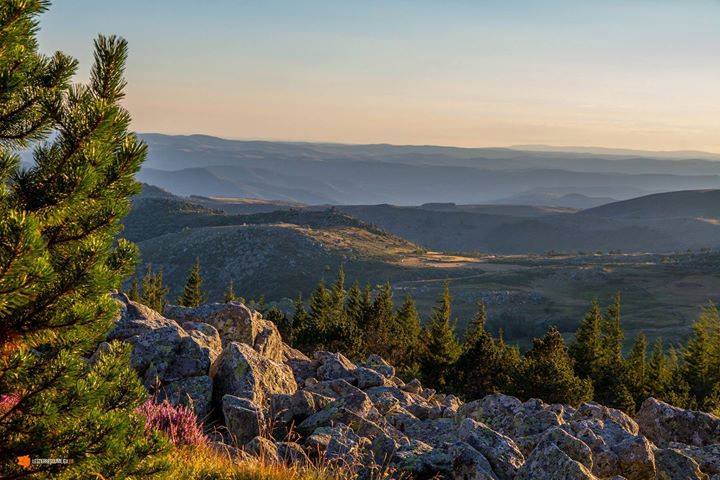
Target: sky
{"type": "Point", "coordinates": [628, 74]}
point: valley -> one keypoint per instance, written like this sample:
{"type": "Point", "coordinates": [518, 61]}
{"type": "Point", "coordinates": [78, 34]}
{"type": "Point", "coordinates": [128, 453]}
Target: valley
{"type": "Point", "coordinates": [279, 250]}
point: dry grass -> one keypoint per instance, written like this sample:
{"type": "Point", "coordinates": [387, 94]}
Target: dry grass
{"type": "Point", "coordinates": [205, 463]}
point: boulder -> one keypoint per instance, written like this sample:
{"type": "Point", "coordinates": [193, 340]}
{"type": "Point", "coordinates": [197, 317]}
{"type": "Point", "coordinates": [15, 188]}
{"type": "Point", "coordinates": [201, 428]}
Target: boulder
{"type": "Point", "coordinates": [502, 453]}
{"type": "Point", "coordinates": [708, 457]}
{"type": "Point", "coordinates": [548, 461]}
{"type": "Point", "coordinates": [206, 336]}
{"type": "Point", "coordinates": [334, 366]}
{"type": "Point", "coordinates": [244, 420]}
{"type": "Point", "coordinates": [378, 364]}
{"type": "Point", "coordinates": [594, 410]}
{"type": "Point", "coordinates": [662, 423]}
{"type": "Point", "coordinates": [235, 323]}
{"type": "Point", "coordinates": [343, 410]}
{"type": "Point", "coordinates": [292, 453]}
{"type": "Point", "coordinates": [193, 392]}
{"type": "Point", "coordinates": [673, 464]}
{"type": "Point", "coordinates": [245, 373]}
{"type": "Point", "coordinates": [135, 319]}
{"type": "Point", "coordinates": [367, 378]}
{"type": "Point", "coordinates": [469, 464]}
{"type": "Point", "coordinates": [261, 447]}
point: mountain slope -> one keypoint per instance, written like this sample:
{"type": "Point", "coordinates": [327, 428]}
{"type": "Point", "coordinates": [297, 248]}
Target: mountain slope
{"type": "Point", "coordinates": [689, 203]}
{"type": "Point", "coordinates": [403, 175]}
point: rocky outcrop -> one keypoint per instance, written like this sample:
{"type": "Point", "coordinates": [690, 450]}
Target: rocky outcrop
{"type": "Point", "coordinates": [273, 401]}
{"type": "Point", "coordinates": [663, 423]}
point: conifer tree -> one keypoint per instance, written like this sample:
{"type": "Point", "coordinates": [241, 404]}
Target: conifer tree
{"type": "Point", "coordinates": [380, 323]}
{"type": "Point", "coordinates": [548, 373]}
{"type": "Point", "coordinates": [441, 346]}
{"type": "Point", "coordinates": [59, 259]}
{"type": "Point", "coordinates": [636, 366]}
{"type": "Point", "coordinates": [701, 369]}
{"type": "Point", "coordinates": [405, 339]}
{"type": "Point", "coordinates": [229, 295]}
{"type": "Point", "coordinates": [134, 292]}
{"type": "Point", "coordinates": [486, 365]}
{"type": "Point", "coordinates": [612, 332]}
{"type": "Point", "coordinates": [154, 292]}
{"type": "Point", "coordinates": [587, 349]}
{"type": "Point", "coordinates": [193, 295]}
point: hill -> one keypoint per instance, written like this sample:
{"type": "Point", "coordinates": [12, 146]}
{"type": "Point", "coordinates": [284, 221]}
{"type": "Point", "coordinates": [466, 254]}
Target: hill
{"type": "Point", "coordinates": [700, 204]}
{"type": "Point", "coordinates": [316, 173]}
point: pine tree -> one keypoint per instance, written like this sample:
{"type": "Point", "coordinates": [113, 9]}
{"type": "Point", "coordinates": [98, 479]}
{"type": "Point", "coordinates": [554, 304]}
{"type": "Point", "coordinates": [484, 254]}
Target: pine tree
{"type": "Point", "coordinates": [379, 326]}
{"type": "Point", "coordinates": [59, 259]}
{"type": "Point", "coordinates": [229, 295]}
{"type": "Point", "coordinates": [134, 292]}
{"type": "Point", "coordinates": [405, 339]}
{"type": "Point", "coordinates": [587, 349]}
{"type": "Point", "coordinates": [154, 292]}
{"type": "Point", "coordinates": [636, 367]}
{"type": "Point", "coordinates": [701, 369]}
{"type": "Point", "coordinates": [193, 295]}
{"type": "Point", "coordinates": [441, 347]}
{"type": "Point", "coordinates": [548, 373]}
{"type": "Point", "coordinates": [612, 332]}
{"type": "Point", "coordinates": [486, 365]}
{"type": "Point", "coordinates": [305, 328]}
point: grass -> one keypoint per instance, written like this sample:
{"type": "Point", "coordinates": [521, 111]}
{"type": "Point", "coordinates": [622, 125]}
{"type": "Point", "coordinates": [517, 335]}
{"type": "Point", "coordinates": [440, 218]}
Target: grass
{"type": "Point", "coordinates": [203, 462]}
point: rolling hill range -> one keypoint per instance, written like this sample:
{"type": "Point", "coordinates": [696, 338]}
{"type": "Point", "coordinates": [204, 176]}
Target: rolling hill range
{"type": "Point", "coordinates": [286, 251]}
{"type": "Point", "coordinates": [657, 223]}
{"type": "Point", "coordinates": [316, 173]}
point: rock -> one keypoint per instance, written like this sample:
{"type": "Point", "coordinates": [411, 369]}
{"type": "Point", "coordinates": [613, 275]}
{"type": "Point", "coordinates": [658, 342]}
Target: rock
{"type": "Point", "coordinates": [135, 319]}
{"type": "Point", "coordinates": [496, 410]}
{"type": "Point", "coordinates": [595, 410]}
{"type": "Point", "coordinates": [502, 453]}
{"type": "Point", "coordinates": [332, 388]}
{"type": "Point", "coordinates": [413, 386]}
{"type": "Point", "coordinates": [572, 446]}
{"type": "Point", "coordinates": [334, 366]}
{"type": "Point", "coordinates": [707, 457]}
{"type": "Point", "coordinates": [469, 464]}
{"type": "Point", "coordinates": [367, 378]}
{"type": "Point", "coordinates": [292, 453]}
{"type": "Point", "coordinates": [549, 462]}
{"type": "Point", "coordinates": [261, 447]}
{"type": "Point", "coordinates": [162, 351]}
{"type": "Point", "coordinates": [672, 464]}
{"type": "Point", "coordinates": [235, 323]}
{"type": "Point", "coordinates": [378, 364]}
{"type": "Point", "coordinates": [662, 423]}
{"type": "Point", "coordinates": [193, 392]}
{"type": "Point", "coordinates": [299, 405]}
{"type": "Point", "coordinates": [635, 458]}
{"type": "Point", "coordinates": [343, 410]}
{"type": "Point", "coordinates": [435, 432]}
{"type": "Point", "coordinates": [245, 373]}
{"type": "Point", "coordinates": [615, 450]}
{"type": "Point", "coordinates": [422, 461]}
{"type": "Point", "coordinates": [207, 337]}
{"type": "Point", "coordinates": [337, 444]}
{"type": "Point", "coordinates": [243, 418]}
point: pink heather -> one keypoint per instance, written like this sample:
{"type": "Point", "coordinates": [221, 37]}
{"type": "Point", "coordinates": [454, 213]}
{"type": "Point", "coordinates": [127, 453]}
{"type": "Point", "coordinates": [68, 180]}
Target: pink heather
{"type": "Point", "coordinates": [179, 423]}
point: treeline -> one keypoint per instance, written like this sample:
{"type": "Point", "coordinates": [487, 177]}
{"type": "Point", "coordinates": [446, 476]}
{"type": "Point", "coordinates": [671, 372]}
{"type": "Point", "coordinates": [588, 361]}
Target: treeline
{"type": "Point", "coordinates": [592, 366]}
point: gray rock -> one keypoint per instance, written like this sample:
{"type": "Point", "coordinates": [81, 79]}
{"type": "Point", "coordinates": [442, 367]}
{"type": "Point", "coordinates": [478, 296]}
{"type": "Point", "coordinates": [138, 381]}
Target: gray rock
{"type": "Point", "coordinates": [549, 462]}
{"type": "Point", "coordinates": [193, 392]}
{"type": "Point", "coordinates": [243, 418]}
{"type": "Point", "coordinates": [594, 410]}
{"type": "Point", "coordinates": [502, 453]}
{"type": "Point", "coordinates": [334, 366]}
{"type": "Point", "coordinates": [377, 363]}
{"type": "Point", "coordinates": [662, 423]}
{"type": "Point", "coordinates": [262, 448]}
{"type": "Point", "coordinates": [292, 453]}
{"type": "Point", "coordinates": [707, 457]}
{"type": "Point", "coordinates": [367, 378]}
{"type": "Point", "coordinates": [672, 464]}
{"type": "Point", "coordinates": [343, 410]}
{"type": "Point", "coordinates": [235, 323]}
{"type": "Point", "coordinates": [245, 373]}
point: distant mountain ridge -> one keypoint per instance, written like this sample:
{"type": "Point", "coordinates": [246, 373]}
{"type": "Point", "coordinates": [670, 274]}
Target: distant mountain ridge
{"type": "Point", "coordinates": [320, 173]}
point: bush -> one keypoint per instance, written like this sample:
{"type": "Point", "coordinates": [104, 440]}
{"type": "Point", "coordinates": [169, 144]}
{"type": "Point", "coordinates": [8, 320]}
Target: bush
{"type": "Point", "coordinates": [179, 423]}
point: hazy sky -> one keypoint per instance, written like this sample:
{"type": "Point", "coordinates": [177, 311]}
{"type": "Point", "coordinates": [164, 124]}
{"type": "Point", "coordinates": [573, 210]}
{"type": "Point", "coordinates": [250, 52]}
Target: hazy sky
{"type": "Point", "coordinates": [635, 74]}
